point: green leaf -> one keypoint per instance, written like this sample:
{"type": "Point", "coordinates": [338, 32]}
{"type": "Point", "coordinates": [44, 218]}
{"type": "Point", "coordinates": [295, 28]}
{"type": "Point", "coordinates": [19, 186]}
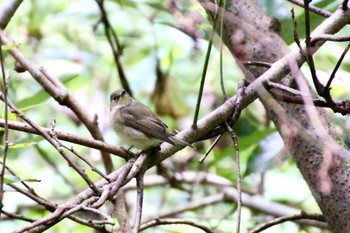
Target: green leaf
{"type": "Point", "coordinates": [20, 145]}
{"type": "Point", "coordinates": [157, 6]}
{"type": "Point", "coordinates": [40, 97]}
{"type": "Point", "coordinates": [8, 47]}
{"type": "Point", "coordinates": [125, 3]}
{"type": "Point", "coordinates": [10, 115]}
{"type": "Point", "coordinates": [10, 179]}
{"type": "Point", "coordinates": [33, 101]}
{"type": "Point", "coordinates": [254, 138]}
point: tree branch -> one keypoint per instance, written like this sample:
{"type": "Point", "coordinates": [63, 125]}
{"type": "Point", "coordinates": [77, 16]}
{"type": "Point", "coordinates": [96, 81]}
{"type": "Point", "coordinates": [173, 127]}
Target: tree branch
{"type": "Point", "coordinates": [158, 222]}
{"type": "Point", "coordinates": [9, 8]}
{"type": "Point", "coordinates": [91, 143]}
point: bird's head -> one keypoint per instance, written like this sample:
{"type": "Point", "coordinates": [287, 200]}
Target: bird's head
{"type": "Point", "coordinates": [120, 98]}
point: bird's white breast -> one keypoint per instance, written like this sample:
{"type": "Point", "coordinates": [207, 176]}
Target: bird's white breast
{"type": "Point", "coordinates": [130, 136]}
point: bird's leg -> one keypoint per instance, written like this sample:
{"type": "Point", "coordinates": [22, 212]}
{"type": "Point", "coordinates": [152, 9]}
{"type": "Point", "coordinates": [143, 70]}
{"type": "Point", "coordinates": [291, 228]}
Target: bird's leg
{"type": "Point", "coordinates": [129, 152]}
{"type": "Point", "coordinates": [152, 150]}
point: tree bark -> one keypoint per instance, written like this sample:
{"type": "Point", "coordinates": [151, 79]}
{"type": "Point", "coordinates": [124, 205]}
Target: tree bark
{"type": "Point", "coordinates": [252, 36]}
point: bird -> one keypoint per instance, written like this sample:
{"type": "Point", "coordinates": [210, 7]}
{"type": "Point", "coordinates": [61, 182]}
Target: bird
{"type": "Point", "coordinates": [136, 125]}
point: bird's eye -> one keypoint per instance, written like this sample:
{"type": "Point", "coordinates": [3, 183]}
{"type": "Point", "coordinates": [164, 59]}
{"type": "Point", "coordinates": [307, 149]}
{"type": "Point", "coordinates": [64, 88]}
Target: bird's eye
{"type": "Point", "coordinates": [123, 93]}
{"type": "Point", "coordinates": [114, 98]}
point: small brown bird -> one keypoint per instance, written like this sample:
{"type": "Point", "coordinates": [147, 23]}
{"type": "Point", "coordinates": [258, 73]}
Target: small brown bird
{"type": "Point", "coordinates": [136, 125]}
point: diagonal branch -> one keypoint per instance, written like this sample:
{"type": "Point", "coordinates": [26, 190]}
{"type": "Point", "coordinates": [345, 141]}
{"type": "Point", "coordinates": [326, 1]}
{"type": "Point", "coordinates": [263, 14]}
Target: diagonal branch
{"type": "Point", "coordinates": [9, 8]}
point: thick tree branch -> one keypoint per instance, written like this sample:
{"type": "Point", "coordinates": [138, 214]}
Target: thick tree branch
{"type": "Point", "coordinates": [9, 8]}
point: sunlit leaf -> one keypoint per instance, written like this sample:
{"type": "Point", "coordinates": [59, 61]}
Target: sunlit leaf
{"type": "Point", "coordinates": [8, 47]}
{"type": "Point", "coordinates": [10, 115]}
{"type": "Point", "coordinates": [125, 3]}
{"type": "Point", "coordinates": [10, 179]}
{"type": "Point", "coordinates": [19, 145]}
{"type": "Point", "coordinates": [157, 6]}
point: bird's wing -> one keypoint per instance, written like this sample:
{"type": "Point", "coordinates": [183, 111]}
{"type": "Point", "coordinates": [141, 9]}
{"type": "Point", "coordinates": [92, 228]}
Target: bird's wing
{"type": "Point", "coordinates": [141, 118]}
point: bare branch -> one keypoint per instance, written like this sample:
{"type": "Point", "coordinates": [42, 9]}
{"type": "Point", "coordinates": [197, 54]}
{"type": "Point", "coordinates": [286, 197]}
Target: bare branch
{"type": "Point", "coordinates": [9, 8]}
{"type": "Point", "coordinates": [97, 144]}
{"type": "Point", "coordinates": [157, 222]}
{"type": "Point", "coordinates": [312, 8]}
{"type": "Point", "coordinates": [139, 202]}
{"type": "Point", "coordinates": [280, 220]}
{"type": "Point", "coordinates": [327, 37]}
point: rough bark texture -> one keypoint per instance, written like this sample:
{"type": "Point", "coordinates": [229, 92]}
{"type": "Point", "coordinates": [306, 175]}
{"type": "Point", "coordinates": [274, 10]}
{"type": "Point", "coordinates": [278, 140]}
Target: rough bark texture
{"type": "Point", "coordinates": [252, 36]}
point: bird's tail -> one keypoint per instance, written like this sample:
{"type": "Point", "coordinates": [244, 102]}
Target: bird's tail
{"type": "Point", "coordinates": [180, 142]}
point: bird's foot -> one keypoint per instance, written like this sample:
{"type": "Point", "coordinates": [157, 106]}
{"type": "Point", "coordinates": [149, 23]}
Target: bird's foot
{"type": "Point", "coordinates": [129, 152]}
{"type": "Point", "coordinates": [152, 150]}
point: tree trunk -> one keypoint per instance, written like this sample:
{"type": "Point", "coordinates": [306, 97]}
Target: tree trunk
{"type": "Point", "coordinates": [252, 36]}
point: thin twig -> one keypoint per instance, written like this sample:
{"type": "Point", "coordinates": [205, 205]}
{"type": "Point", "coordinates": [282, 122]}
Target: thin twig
{"type": "Point", "coordinates": [312, 8]}
{"type": "Point", "coordinates": [17, 216]}
{"type": "Point", "coordinates": [327, 88]}
{"type": "Point", "coordinates": [295, 34]}
{"type": "Point", "coordinates": [283, 219]}
{"type": "Point", "coordinates": [289, 90]}
{"type": "Point", "coordinates": [93, 168]}
{"type": "Point", "coordinates": [205, 68]}
{"type": "Point", "coordinates": [158, 222]}
{"type": "Point", "coordinates": [107, 218]}
{"type": "Point", "coordinates": [309, 57]}
{"type": "Point", "coordinates": [257, 63]}
{"type": "Point", "coordinates": [342, 107]}
{"type": "Point", "coordinates": [6, 130]}
{"type": "Point", "coordinates": [238, 103]}
{"type": "Point", "coordinates": [238, 173]}
{"type": "Point", "coordinates": [221, 51]}
{"type": "Point", "coordinates": [201, 160]}
{"type": "Point", "coordinates": [139, 202]}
